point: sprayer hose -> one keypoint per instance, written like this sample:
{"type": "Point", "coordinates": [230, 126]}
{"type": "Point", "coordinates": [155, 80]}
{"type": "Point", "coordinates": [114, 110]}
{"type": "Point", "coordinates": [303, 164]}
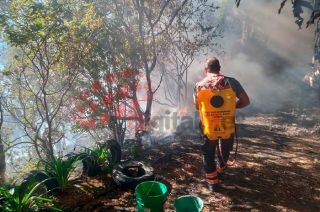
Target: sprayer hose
{"type": "Point", "coordinates": [235, 153]}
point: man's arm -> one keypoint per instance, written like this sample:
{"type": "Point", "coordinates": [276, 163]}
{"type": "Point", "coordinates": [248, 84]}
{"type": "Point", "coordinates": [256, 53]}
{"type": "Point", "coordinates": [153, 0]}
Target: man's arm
{"type": "Point", "coordinates": [243, 100]}
{"type": "Point", "coordinates": [242, 96]}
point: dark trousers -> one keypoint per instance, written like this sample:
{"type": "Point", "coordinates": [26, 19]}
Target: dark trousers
{"type": "Point", "coordinates": [211, 148]}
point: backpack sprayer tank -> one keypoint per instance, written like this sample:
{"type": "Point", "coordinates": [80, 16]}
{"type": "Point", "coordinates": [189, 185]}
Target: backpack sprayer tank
{"type": "Point", "coordinates": [217, 109]}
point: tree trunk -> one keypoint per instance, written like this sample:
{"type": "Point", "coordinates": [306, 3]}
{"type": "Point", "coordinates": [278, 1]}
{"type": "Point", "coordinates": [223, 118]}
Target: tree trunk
{"type": "Point", "coordinates": [147, 113]}
{"type": "Point", "coordinates": [2, 153]}
{"type": "Point", "coordinates": [2, 162]}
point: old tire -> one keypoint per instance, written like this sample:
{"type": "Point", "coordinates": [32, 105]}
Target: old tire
{"type": "Point", "coordinates": [129, 174]}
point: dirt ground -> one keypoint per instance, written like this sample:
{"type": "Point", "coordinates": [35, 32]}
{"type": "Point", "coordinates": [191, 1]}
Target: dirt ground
{"type": "Point", "coordinates": [277, 169]}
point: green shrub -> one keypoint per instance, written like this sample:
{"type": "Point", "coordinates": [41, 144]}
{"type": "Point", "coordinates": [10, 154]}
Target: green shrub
{"type": "Point", "coordinates": [17, 199]}
{"type": "Point", "coordinates": [133, 151]}
{"type": "Point", "coordinates": [96, 160]}
{"type": "Point", "coordinates": [59, 171]}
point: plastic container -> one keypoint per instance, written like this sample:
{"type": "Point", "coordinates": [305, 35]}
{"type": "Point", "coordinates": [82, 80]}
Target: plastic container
{"type": "Point", "coordinates": [188, 203]}
{"type": "Point", "coordinates": [150, 196]}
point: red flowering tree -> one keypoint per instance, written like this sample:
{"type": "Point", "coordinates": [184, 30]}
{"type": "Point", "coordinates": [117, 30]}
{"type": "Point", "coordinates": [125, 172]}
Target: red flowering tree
{"type": "Point", "coordinates": [111, 102]}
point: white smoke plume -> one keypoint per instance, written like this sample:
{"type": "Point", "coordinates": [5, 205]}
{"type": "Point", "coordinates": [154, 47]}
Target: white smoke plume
{"type": "Point", "coordinates": [266, 52]}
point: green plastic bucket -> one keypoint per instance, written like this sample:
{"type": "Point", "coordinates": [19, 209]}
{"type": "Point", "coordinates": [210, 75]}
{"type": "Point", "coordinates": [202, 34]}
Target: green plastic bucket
{"type": "Point", "coordinates": [188, 203]}
{"type": "Point", "coordinates": [150, 196]}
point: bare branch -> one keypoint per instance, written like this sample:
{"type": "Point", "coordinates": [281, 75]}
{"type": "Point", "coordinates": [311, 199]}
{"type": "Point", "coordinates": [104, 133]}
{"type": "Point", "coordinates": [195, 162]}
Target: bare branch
{"type": "Point", "coordinates": [163, 103]}
{"type": "Point", "coordinates": [16, 144]}
{"type": "Point", "coordinates": [282, 5]}
{"type": "Point", "coordinates": [160, 82]}
{"type": "Point", "coordinates": [175, 13]}
{"type": "Point", "coordinates": [160, 13]}
{"type": "Point", "coordinates": [237, 2]}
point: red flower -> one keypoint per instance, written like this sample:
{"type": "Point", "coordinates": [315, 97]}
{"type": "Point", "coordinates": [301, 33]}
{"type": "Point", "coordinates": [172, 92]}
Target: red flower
{"type": "Point", "coordinates": [104, 118]}
{"type": "Point", "coordinates": [93, 106]}
{"type": "Point", "coordinates": [108, 99]}
{"type": "Point", "coordinates": [91, 123]}
{"type": "Point", "coordinates": [111, 78]}
{"type": "Point", "coordinates": [96, 86]}
{"type": "Point", "coordinates": [124, 92]}
{"type": "Point", "coordinates": [80, 110]}
{"type": "Point", "coordinates": [84, 94]}
{"type": "Point", "coordinates": [129, 73]}
{"type": "Point", "coordinates": [81, 122]}
{"type": "Point", "coordinates": [121, 111]}
{"type": "Point", "coordinates": [137, 87]}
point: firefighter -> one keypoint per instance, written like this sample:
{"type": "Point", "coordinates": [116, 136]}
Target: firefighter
{"type": "Point", "coordinates": [217, 97]}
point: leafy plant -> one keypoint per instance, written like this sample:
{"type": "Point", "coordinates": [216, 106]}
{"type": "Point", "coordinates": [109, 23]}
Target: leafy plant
{"type": "Point", "coordinates": [18, 199]}
{"type": "Point", "coordinates": [97, 160]}
{"type": "Point", "coordinates": [59, 171]}
{"type": "Point", "coordinates": [134, 149]}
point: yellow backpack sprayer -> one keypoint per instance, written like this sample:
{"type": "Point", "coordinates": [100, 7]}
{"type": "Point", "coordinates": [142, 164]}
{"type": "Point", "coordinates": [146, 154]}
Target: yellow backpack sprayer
{"type": "Point", "coordinates": [217, 112]}
{"type": "Point", "coordinates": [217, 108]}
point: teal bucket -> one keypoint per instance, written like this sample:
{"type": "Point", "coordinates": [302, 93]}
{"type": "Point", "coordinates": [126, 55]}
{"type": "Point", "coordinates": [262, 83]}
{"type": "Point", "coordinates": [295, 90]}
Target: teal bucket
{"type": "Point", "coordinates": [150, 196]}
{"type": "Point", "coordinates": [188, 203]}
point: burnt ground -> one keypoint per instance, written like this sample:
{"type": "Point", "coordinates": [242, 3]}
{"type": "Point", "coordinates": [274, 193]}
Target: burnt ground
{"type": "Point", "coordinates": [277, 169]}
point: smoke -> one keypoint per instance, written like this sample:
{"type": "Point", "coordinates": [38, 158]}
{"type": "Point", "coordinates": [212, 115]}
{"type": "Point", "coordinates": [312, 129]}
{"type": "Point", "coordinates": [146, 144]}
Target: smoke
{"type": "Point", "coordinates": [267, 53]}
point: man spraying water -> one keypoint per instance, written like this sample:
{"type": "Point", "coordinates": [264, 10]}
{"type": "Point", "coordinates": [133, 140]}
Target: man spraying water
{"type": "Point", "coordinates": [217, 97]}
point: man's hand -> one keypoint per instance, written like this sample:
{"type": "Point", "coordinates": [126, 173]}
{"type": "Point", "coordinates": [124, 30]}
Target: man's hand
{"type": "Point", "coordinates": [243, 100]}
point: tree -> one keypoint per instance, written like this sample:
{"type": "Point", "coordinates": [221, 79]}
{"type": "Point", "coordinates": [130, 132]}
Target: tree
{"type": "Point", "coordinates": [4, 130]}
{"type": "Point", "coordinates": [51, 39]}
{"type": "Point", "coordinates": [2, 152]}
{"type": "Point", "coordinates": [192, 36]}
